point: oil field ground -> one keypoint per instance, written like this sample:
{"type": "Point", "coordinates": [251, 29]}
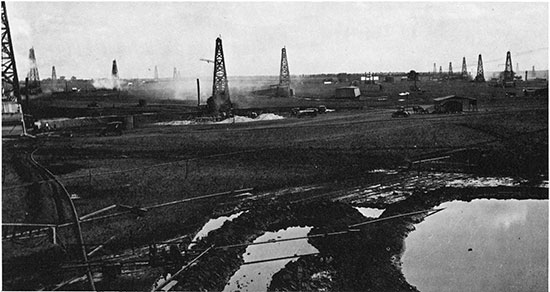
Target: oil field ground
{"type": "Point", "coordinates": [270, 175]}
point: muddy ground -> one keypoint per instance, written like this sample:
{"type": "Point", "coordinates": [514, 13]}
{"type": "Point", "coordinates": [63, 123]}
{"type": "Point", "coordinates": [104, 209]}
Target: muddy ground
{"type": "Point", "coordinates": [278, 159]}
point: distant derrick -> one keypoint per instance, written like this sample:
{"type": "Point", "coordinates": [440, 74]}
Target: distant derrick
{"type": "Point", "coordinates": [114, 76]}
{"type": "Point", "coordinates": [219, 102]}
{"type": "Point", "coordinates": [508, 72]}
{"type": "Point", "coordinates": [480, 77]}
{"type": "Point", "coordinates": [450, 69]}
{"type": "Point", "coordinates": [156, 74]}
{"type": "Point", "coordinates": [284, 77]}
{"type": "Point", "coordinates": [10, 80]}
{"type": "Point", "coordinates": [54, 75]}
{"type": "Point", "coordinates": [34, 78]}
{"type": "Point", "coordinates": [464, 73]}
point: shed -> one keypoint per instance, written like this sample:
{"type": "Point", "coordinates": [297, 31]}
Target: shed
{"type": "Point", "coordinates": [348, 92]}
{"type": "Point", "coordinates": [453, 104]}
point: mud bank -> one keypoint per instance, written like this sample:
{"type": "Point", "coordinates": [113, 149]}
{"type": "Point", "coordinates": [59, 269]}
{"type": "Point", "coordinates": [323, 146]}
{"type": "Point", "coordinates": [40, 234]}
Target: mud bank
{"type": "Point", "coordinates": [367, 259]}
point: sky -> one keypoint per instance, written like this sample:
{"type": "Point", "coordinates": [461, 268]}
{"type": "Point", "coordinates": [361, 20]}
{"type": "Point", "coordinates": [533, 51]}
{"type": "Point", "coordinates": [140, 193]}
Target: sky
{"type": "Point", "coordinates": [82, 38]}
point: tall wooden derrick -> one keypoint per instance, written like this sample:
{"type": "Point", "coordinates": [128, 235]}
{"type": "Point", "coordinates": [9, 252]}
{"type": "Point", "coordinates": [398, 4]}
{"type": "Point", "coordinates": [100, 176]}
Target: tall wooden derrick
{"type": "Point", "coordinates": [219, 102]}
{"type": "Point", "coordinates": [464, 73]}
{"type": "Point", "coordinates": [508, 77]}
{"type": "Point", "coordinates": [10, 80]}
{"type": "Point", "coordinates": [34, 78]}
{"type": "Point", "coordinates": [114, 76]}
{"type": "Point", "coordinates": [480, 77]}
{"type": "Point", "coordinates": [283, 89]}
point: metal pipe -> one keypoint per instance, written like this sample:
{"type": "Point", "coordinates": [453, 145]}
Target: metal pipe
{"type": "Point", "coordinates": [281, 258]}
{"type": "Point", "coordinates": [78, 230]}
{"type": "Point", "coordinates": [182, 269]}
{"type": "Point", "coordinates": [396, 216]}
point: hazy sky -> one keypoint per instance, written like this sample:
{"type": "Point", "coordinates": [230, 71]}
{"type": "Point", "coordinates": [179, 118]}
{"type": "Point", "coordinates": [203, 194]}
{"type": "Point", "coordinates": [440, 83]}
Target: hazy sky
{"type": "Point", "coordinates": [82, 38]}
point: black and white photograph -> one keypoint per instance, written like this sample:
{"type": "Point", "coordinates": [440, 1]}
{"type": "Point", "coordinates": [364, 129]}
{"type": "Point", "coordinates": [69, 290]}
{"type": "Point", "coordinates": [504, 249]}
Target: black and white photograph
{"type": "Point", "coordinates": [275, 146]}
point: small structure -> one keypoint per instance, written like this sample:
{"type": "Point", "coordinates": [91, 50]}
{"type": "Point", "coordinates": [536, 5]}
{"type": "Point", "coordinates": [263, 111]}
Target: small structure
{"type": "Point", "coordinates": [13, 123]}
{"type": "Point", "coordinates": [454, 104]}
{"type": "Point", "coordinates": [348, 92]}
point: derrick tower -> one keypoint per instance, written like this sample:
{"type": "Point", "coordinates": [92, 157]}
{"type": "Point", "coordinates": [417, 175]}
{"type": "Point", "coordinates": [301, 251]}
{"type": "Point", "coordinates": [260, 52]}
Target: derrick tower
{"type": "Point", "coordinates": [440, 70]}
{"type": "Point", "coordinates": [114, 76]}
{"type": "Point", "coordinates": [34, 78]}
{"type": "Point", "coordinates": [175, 75]}
{"type": "Point", "coordinates": [219, 102]}
{"type": "Point", "coordinates": [480, 77]}
{"type": "Point", "coordinates": [450, 69]}
{"type": "Point", "coordinates": [156, 73]}
{"type": "Point", "coordinates": [464, 73]}
{"type": "Point", "coordinates": [435, 69]}
{"type": "Point", "coordinates": [284, 76]}
{"type": "Point", "coordinates": [54, 78]}
{"type": "Point", "coordinates": [508, 72]}
{"type": "Point", "coordinates": [10, 80]}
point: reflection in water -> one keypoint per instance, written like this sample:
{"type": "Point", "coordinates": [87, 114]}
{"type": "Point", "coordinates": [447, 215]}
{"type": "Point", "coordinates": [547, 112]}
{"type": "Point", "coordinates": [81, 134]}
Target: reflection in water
{"type": "Point", "coordinates": [370, 212]}
{"type": "Point", "coordinates": [256, 277]}
{"type": "Point", "coordinates": [213, 224]}
{"type": "Point", "coordinates": [483, 245]}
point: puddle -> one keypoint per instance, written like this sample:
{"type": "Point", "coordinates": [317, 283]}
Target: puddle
{"type": "Point", "coordinates": [483, 182]}
{"type": "Point", "coordinates": [235, 119]}
{"type": "Point", "coordinates": [483, 245]}
{"type": "Point", "coordinates": [369, 212]}
{"type": "Point", "coordinates": [256, 277]}
{"type": "Point", "coordinates": [213, 224]}
{"type": "Point", "coordinates": [386, 171]}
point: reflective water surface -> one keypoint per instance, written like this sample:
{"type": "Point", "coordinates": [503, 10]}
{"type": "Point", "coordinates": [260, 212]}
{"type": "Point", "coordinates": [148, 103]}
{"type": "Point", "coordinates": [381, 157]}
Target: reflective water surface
{"type": "Point", "coordinates": [483, 245]}
{"type": "Point", "coordinates": [256, 277]}
{"type": "Point", "coordinates": [370, 212]}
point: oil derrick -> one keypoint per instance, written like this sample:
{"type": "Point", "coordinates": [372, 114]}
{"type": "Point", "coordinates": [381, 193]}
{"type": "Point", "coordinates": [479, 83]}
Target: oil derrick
{"type": "Point", "coordinates": [464, 73]}
{"type": "Point", "coordinates": [435, 70]}
{"type": "Point", "coordinates": [480, 77]}
{"type": "Point", "coordinates": [10, 81]}
{"type": "Point", "coordinates": [114, 76]}
{"type": "Point", "coordinates": [219, 102]}
{"type": "Point", "coordinates": [450, 69]}
{"type": "Point", "coordinates": [284, 77]}
{"type": "Point", "coordinates": [175, 75]}
{"type": "Point", "coordinates": [54, 79]}
{"type": "Point", "coordinates": [440, 70]}
{"type": "Point", "coordinates": [508, 77]}
{"type": "Point", "coordinates": [34, 78]}
{"type": "Point", "coordinates": [156, 74]}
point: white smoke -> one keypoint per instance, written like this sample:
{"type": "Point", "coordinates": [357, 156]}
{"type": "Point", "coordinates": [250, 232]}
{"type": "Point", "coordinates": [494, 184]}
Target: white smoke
{"type": "Point", "coordinates": [105, 83]}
